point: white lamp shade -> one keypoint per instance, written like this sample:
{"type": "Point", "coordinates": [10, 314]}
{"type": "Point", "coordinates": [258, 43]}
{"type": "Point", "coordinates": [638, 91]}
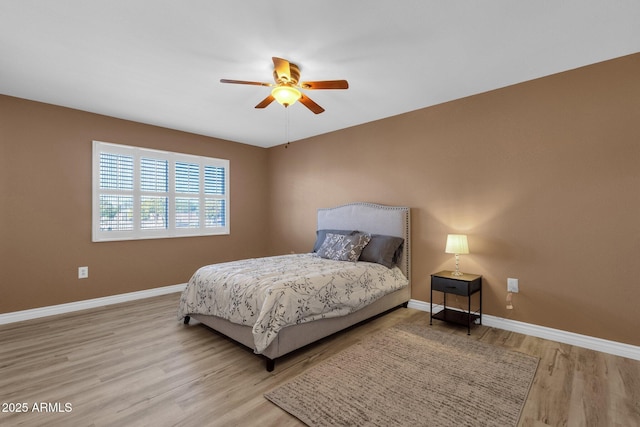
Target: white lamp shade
{"type": "Point", "coordinates": [457, 244]}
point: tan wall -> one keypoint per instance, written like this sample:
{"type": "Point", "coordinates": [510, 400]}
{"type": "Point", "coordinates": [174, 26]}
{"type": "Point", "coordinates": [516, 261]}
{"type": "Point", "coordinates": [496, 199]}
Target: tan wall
{"type": "Point", "coordinates": [45, 211]}
{"type": "Point", "coordinates": [543, 176]}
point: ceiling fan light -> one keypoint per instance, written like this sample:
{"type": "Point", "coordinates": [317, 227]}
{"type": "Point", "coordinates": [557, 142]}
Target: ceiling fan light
{"type": "Point", "coordinates": [286, 95]}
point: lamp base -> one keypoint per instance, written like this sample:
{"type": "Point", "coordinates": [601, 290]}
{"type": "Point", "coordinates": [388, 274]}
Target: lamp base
{"type": "Point", "coordinates": [457, 271]}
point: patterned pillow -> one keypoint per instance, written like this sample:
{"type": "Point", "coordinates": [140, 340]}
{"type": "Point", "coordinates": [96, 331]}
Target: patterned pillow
{"type": "Point", "coordinates": [343, 247]}
{"type": "Point", "coordinates": [322, 234]}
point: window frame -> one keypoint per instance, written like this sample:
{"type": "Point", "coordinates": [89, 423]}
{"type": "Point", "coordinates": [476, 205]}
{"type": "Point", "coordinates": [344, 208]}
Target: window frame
{"type": "Point", "coordinates": [172, 230]}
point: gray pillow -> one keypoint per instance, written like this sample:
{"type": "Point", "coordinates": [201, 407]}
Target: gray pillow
{"type": "Point", "coordinates": [342, 247]}
{"type": "Point", "coordinates": [322, 234]}
{"type": "Point", "coordinates": [381, 249]}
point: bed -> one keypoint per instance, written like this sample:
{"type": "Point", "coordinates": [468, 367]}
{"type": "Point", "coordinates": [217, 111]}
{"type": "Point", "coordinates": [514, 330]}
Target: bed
{"type": "Point", "coordinates": [372, 283]}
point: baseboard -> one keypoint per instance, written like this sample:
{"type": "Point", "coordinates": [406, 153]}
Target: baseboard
{"type": "Point", "coordinates": [585, 341]}
{"type": "Point", "coordinates": [18, 316]}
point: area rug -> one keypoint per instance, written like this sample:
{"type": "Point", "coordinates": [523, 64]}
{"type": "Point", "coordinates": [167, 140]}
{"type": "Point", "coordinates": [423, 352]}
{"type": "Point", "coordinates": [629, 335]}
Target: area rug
{"type": "Point", "coordinates": [412, 375]}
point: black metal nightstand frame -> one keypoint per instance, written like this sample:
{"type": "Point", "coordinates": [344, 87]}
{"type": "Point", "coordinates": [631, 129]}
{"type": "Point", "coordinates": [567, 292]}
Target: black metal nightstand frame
{"type": "Point", "coordinates": [465, 285]}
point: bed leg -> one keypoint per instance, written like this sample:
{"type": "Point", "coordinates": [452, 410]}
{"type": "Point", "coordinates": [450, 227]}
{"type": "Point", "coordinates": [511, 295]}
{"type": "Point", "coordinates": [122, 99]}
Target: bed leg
{"type": "Point", "coordinates": [186, 320]}
{"type": "Point", "coordinates": [405, 304]}
{"type": "Point", "coordinates": [271, 364]}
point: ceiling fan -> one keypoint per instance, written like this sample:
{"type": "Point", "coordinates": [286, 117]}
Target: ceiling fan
{"type": "Point", "coordinates": [286, 89]}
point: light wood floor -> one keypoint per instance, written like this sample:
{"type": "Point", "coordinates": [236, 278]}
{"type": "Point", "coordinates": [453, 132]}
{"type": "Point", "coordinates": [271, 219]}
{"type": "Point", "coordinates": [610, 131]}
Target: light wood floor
{"type": "Point", "coordinates": [136, 364]}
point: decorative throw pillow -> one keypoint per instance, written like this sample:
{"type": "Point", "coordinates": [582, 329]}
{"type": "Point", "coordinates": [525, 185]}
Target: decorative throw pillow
{"type": "Point", "coordinates": [322, 234]}
{"type": "Point", "coordinates": [385, 250]}
{"type": "Point", "coordinates": [341, 247]}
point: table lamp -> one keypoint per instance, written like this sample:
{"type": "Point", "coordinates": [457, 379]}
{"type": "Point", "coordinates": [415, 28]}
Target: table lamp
{"type": "Point", "coordinates": [457, 244]}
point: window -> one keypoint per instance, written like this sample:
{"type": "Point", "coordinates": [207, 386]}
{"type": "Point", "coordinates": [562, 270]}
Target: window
{"type": "Point", "coordinates": [140, 193]}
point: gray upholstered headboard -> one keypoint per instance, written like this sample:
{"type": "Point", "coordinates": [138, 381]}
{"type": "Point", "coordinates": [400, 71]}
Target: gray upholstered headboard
{"type": "Point", "coordinates": [375, 219]}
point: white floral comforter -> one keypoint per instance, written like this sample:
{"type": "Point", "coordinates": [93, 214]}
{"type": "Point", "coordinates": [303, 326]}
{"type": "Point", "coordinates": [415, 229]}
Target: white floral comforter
{"type": "Point", "coordinates": [274, 292]}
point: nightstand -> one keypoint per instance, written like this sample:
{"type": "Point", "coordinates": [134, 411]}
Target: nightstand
{"type": "Point", "coordinates": [465, 285]}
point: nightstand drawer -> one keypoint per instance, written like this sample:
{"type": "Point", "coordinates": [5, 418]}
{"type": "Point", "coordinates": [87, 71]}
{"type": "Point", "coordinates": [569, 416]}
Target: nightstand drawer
{"type": "Point", "coordinates": [453, 286]}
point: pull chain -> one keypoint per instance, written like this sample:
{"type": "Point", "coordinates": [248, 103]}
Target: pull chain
{"type": "Point", "coordinates": [286, 127]}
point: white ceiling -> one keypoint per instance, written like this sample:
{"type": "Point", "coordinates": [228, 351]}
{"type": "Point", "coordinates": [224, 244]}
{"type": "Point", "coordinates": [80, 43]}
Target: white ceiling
{"type": "Point", "coordinates": [160, 61]}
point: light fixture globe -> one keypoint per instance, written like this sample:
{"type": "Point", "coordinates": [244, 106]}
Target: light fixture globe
{"type": "Point", "coordinates": [286, 95]}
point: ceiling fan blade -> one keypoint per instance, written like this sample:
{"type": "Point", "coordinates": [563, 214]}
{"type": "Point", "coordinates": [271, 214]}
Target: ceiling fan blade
{"type": "Point", "coordinates": [282, 69]}
{"type": "Point", "coordinates": [268, 100]}
{"type": "Point", "coordinates": [311, 105]}
{"type": "Point", "coordinates": [325, 84]}
{"type": "Point", "coordinates": [244, 82]}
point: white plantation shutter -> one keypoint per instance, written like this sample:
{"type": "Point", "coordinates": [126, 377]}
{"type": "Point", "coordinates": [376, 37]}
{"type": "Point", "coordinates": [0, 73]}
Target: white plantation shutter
{"type": "Point", "coordinates": [140, 193]}
{"type": "Point", "coordinates": [154, 197]}
{"type": "Point", "coordinates": [187, 178]}
{"type": "Point", "coordinates": [116, 171]}
{"type": "Point", "coordinates": [187, 192]}
{"type": "Point", "coordinates": [215, 191]}
{"type": "Point", "coordinates": [154, 175]}
{"type": "Point", "coordinates": [116, 192]}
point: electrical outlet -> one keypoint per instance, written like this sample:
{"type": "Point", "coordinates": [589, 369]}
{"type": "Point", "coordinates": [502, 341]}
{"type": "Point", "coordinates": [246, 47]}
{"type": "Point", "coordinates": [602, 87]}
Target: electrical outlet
{"type": "Point", "coordinates": [83, 272]}
{"type": "Point", "coordinates": [512, 285]}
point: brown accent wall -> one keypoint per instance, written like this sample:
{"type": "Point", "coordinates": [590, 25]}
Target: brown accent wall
{"type": "Point", "coordinates": [543, 176]}
{"type": "Point", "coordinates": [45, 211]}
